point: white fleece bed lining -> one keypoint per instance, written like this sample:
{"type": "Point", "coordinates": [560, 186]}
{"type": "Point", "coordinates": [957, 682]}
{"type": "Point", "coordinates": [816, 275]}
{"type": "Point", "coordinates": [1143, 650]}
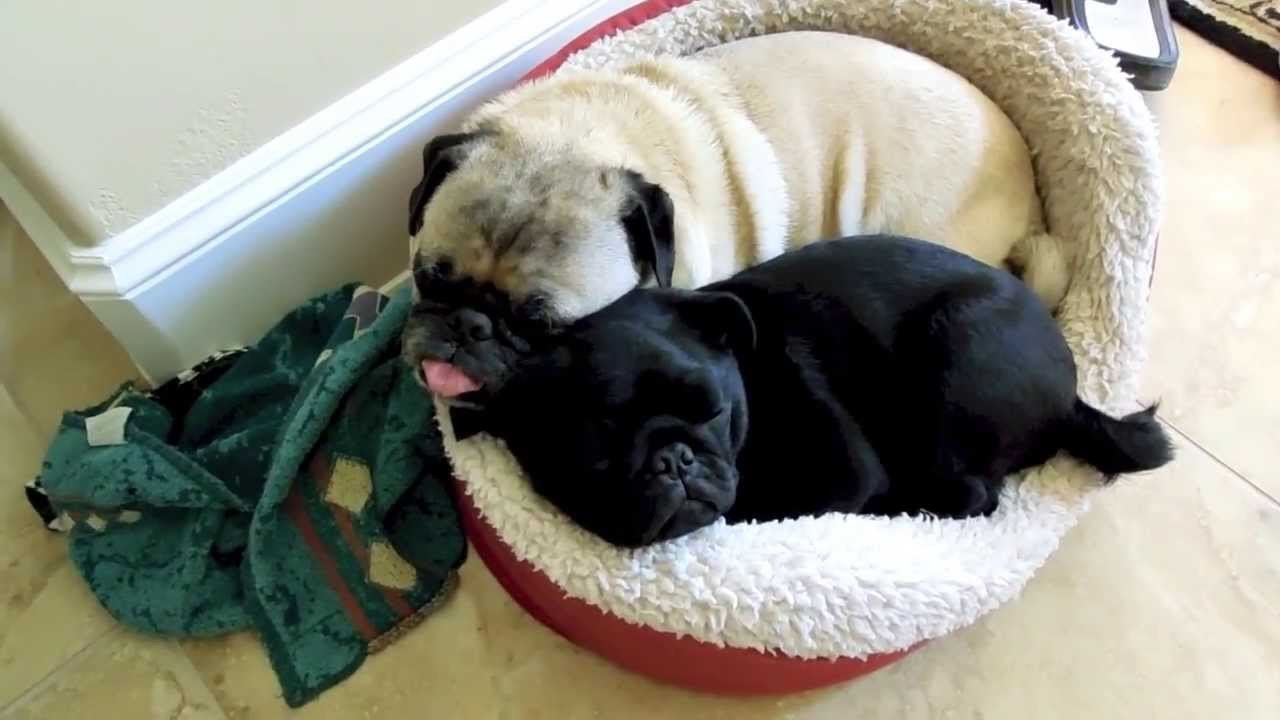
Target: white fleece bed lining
{"type": "Point", "coordinates": [852, 586]}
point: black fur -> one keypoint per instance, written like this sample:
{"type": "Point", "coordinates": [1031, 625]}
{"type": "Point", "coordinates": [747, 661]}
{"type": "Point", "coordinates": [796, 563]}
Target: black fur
{"type": "Point", "coordinates": [437, 163]}
{"type": "Point", "coordinates": [1131, 444]}
{"type": "Point", "coordinates": [868, 375]}
{"type": "Point", "coordinates": [650, 224]}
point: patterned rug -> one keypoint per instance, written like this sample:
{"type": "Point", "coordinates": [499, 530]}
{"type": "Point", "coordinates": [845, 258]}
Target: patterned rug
{"type": "Point", "coordinates": [1248, 29]}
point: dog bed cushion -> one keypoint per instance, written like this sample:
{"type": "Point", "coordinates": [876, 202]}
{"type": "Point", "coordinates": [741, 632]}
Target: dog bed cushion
{"type": "Point", "coordinates": [856, 587]}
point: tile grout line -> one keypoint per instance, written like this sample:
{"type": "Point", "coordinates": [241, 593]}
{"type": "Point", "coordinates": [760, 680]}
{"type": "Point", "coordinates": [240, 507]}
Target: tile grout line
{"type": "Point", "coordinates": [1239, 475]}
{"type": "Point", "coordinates": [199, 676]}
{"type": "Point", "coordinates": [44, 681]}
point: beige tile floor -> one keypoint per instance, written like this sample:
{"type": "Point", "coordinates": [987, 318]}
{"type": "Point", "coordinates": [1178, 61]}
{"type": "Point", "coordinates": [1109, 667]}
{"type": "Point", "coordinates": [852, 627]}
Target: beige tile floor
{"type": "Point", "coordinates": [1164, 603]}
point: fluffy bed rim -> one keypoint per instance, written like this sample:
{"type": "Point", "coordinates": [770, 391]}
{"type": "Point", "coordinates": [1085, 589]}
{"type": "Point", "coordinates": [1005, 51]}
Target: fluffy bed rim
{"type": "Point", "coordinates": [847, 586]}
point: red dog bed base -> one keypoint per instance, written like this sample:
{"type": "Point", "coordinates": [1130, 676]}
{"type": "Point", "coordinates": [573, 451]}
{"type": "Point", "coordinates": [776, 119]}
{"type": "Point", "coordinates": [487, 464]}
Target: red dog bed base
{"type": "Point", "coordinates": [685, 662]}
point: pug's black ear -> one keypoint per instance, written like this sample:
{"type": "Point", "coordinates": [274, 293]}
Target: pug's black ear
{"type": "Point", "coordinates": [437, 162]}
{"type": "Point", "coordinates": [649, 219]}
{"type": "Point", "coordinates": [722, 318]}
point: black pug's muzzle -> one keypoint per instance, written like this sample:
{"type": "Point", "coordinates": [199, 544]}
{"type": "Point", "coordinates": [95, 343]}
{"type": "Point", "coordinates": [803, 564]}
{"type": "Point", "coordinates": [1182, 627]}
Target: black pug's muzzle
{"type": "Point", "coordinates": [685, 483]}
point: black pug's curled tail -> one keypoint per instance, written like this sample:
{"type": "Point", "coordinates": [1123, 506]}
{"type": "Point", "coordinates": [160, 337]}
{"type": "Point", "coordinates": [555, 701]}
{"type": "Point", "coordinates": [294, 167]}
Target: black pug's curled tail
{"type": "Point", "coordinates": [1133, 443]}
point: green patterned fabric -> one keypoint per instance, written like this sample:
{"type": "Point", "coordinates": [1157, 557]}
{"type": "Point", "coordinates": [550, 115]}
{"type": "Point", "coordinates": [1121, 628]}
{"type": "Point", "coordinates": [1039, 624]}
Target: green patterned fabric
{"type": "Point", "coordinates": [298, 488]}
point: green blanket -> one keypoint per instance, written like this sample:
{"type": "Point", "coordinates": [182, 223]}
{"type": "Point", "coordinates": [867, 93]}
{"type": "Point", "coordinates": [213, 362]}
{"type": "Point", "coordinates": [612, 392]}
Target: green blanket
{"type": "Point", "coordinates": [297, 488]}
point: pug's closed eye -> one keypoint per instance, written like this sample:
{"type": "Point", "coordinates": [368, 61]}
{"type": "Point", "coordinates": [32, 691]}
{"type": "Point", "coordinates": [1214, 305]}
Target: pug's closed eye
{"type": "Point", "coordinates": [690, 400]}
{"type": "Point", "coordinates": [534, 314]}
{"type": "Point", "coordinates": [719, 412]}
{"type": "Point", "coordinates": [703, 413]}
{"type": "Point", "coordinates": [425, 274]}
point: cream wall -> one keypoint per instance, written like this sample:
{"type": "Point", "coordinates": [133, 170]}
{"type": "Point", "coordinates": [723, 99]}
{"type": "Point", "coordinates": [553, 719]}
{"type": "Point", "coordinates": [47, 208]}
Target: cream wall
{"type": "Point", "coordinates": [111, 109]}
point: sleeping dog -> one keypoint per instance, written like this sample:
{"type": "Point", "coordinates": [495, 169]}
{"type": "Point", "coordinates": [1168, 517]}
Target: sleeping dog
{"type": "Point", "coordinates": [875, 375]}
{"type": "Point", "coordinates": [563, 194]}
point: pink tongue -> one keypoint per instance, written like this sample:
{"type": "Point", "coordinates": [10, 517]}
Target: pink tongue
{"type": "Point", "coordinates": [446, 380]}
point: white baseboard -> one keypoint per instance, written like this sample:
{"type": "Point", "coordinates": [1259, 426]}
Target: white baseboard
{"type": "Point", "coordinates": [42, 229]}
{"type": "Point", "coordinates": [323, 204]}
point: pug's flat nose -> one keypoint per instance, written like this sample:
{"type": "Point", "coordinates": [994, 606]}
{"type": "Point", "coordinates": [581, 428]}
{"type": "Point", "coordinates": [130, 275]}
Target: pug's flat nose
{"type": "Point", "coordinates": [674, 459]}
{"type": "Point", "coordinates": [472, 325]}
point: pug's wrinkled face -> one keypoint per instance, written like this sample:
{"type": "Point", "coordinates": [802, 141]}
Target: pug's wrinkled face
{"type": "Point", "coordinates": [631, 424]}
{"type": "Point", "coordinates": [512, 243]}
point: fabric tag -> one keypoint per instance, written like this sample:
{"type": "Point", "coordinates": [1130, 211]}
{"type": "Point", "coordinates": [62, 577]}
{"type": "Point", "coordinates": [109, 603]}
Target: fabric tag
{"type": "Point", "coordinates": [63, 523]}
{"type": "Point", "coordinates": [108, 427]}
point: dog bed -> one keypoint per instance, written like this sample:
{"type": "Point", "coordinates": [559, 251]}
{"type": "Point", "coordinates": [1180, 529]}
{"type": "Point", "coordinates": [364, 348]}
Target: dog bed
{"type": "Point", "coordinates": [782, 606]}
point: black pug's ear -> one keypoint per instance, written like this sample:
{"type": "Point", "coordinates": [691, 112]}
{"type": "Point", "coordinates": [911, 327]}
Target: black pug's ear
{"type": "Point", "coordinates": [437, 163]}
{"type": "Point", "coordinates": [721, 318]}
{"type": "Point", "coordinates": [649, 219]}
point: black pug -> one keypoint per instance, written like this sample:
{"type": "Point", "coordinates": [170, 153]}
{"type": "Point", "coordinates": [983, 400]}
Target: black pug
{"type": "Point", "coordinates": [878, 375]}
